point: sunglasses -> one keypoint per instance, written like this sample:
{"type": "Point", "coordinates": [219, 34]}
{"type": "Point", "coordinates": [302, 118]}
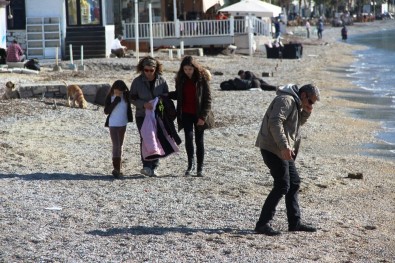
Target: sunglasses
{"type": "Point", "coordinates": [310, 101]}
{"type": "Point", "coordinates": [149, 70]}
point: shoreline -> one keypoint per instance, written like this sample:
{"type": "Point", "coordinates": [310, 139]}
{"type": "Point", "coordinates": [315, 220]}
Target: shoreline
{"type": "Point", "coordinates": [374, 105]}
{"type": "Point", "coordinates": [58, 201]}
{"type": "Point", "coordinates": [382, 104]}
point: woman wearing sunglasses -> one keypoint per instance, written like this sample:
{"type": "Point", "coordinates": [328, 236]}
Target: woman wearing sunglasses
{"type": "Point", "coordinates": [193, 97]}
{"type": "Point", "coordinates": [278, 140]}
{"type": "Point", "coordinates": [148, 85]}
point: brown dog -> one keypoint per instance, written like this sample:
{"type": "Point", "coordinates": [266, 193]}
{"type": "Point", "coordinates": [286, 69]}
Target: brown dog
{"type": "Point", "coordinates": [10, 92]}
{"type": "Point", "coordinates": [75, 93]}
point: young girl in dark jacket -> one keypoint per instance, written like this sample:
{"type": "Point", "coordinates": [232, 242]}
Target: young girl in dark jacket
{"type": "Point", "coordinates": [194, 113]}
{"type": "Point", "coordinates": [119, 113]}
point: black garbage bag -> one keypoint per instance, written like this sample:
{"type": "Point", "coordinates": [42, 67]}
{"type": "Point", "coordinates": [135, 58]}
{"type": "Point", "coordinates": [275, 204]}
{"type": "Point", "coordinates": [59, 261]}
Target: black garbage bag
{"type": "Point", "coordinates": [33, 64]}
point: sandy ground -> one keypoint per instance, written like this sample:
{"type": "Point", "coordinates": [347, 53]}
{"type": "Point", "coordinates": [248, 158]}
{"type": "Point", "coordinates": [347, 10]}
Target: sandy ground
{"type": "Point", "coordinates": [59, 203]}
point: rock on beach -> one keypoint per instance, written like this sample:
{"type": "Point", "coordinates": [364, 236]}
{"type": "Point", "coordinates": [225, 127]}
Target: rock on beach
{"type": "Point", "coordinates": [59, 203]}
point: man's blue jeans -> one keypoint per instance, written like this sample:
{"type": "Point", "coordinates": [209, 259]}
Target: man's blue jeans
{"type": "Point", "coordinates": [286, 182]}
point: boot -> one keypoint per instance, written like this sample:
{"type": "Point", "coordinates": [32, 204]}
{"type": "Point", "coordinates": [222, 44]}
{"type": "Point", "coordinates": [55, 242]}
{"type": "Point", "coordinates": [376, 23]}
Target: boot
{"type": "Point", "coordinates": [191, 166]}
{"type": "Point", "coordinates": [199, 170]}
{"type": "Point", "coordinates": [116, 163]}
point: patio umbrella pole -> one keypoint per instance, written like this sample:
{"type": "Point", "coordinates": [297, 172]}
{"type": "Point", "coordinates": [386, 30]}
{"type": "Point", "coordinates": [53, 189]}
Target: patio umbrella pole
{"type": "Point", "coordinates": [57, 67]}
{"type": "Point", "coordinates": [151, 38]}
{"type": "Point", "coordinates": [82, 67]}
{"type": "Point", "coordinates": [136, 28]}
{"type": "Point", "coordinates": [175, 10]}
{"type": "Point", "coordinates": [71, 65]}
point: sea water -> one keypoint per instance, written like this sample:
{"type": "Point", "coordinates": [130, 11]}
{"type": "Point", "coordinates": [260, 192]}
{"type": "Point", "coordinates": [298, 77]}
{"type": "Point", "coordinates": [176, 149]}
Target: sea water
{"type": "Point", "coordinates": [374, 74]}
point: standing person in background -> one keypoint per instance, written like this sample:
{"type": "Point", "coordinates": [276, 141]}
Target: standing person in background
{"type": "Point", "coordinates": [119, 112]}
{"type": "Point", "coordinates": [320, 28]}
{"type": "Point", "coordinates": [193, 97]}
{"type": "Point", "coordinates": [15, 52]}
{"type": "Point", "coordinates": [279, 139]}
{"type": "Point", "coordinates": [148, 85]}
{"type": "Point", "coordinates": [277, 28]}
{"type": "Point", "coordinates": [308, 28]}
{"type": "Point", "coordinates": [117, 49]}
{"type": "Point", "coordinates": [344, 33]}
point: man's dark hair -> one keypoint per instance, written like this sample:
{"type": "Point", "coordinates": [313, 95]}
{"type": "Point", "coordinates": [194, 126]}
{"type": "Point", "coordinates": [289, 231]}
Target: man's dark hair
{"type": "Point", "coordinates": [311, 90]}
{"type": "Point", "coordinates": [240, 72]}
{"type": "Point", "coordinates": [15, 41]}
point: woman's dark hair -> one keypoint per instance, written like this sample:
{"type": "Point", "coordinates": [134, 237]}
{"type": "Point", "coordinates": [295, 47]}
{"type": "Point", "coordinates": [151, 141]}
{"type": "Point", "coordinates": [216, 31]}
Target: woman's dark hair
{"type": "Point", "coordinates": [199, 71]}
{"type": "Point", "coordinates": [149, 61]}
{"type": "Point", "coordinates": [119, 85]}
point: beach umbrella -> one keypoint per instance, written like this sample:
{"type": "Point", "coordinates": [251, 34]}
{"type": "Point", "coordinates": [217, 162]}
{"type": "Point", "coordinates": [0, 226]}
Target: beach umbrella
{"type": "Point", "coordinates": [252, 7]}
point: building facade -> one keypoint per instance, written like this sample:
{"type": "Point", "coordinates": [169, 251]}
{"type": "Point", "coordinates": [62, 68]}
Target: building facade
{"type": "Point", "coordinates": [46, 28]}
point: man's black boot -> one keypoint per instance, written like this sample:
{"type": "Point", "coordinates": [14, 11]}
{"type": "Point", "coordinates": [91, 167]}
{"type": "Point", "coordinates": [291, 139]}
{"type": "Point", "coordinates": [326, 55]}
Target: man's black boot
{"type": "Point", "coordinates": [266, 229]}
{"type": "Point", "coordinates": [302, 227]}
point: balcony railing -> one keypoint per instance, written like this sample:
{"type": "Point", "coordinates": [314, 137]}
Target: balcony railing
{"type": "Point", "coordinates": [197, 28]}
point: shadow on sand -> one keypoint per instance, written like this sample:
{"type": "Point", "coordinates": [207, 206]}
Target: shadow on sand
{"type": "Point", "coordinates": [66, 176]}
{"type": "Point", "coordinates": [144, 230]}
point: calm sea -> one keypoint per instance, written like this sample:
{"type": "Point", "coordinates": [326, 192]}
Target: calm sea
{"type": "Point", "coordinates": [374, 74]}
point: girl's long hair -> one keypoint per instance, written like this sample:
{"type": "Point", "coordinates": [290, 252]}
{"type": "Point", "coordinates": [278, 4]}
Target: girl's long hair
{"type": "Point", "coordinates": [198, 73]}
{"type": "Point", "coordinates": [119, 85]}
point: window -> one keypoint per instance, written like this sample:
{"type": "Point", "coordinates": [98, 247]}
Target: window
{"type": "Point", "coordinates": [84, 12]}
{"type": "Point", "coordinates": [16, 15]}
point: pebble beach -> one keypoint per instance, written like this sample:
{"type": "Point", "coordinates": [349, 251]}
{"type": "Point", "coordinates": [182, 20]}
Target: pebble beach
{"type": "Point", "coordinates": [60, 203]}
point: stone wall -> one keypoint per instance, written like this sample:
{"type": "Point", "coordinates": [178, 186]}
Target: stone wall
{"type": "Point", "coordinates": [93, 93]}
{"type": "Point", "coordinates": [19, 35]}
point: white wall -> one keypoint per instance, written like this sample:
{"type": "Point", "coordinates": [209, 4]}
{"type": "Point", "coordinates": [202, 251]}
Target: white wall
{"type": "Point", "coordinates": [108, 12]}
{"type": "Point", "coordinates": [48, 8]}
{"type": "Point", "coordinates": [3, 27]}
{"type": "Point", "coordinates": [110, 32]}
{"type": "Point", "coordinates": [44, 8]}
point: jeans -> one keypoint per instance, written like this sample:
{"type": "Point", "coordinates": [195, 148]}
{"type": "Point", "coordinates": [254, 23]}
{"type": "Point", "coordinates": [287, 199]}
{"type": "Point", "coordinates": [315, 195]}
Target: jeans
{"type": "Point", "coordinates": [286, 182]}
{"type": "Point", "coordinates": [319, 33]}
{"type": "Point", "coordinates": [117, 135]}
{"type": "Point", "coordinates": [189, 122]}
{"type": "Point", "coordinates": [150, 164]}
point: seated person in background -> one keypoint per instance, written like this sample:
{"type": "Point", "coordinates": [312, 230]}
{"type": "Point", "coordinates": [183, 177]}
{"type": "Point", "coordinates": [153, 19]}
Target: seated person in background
{"type": "Point", "coordinates": [3, 56]}
{"type": "Point", "coordinates": [255, 81]}
{"type": "Point", "coordinates": [117, 49]}
{"type": "Point", "coordinates": [221, 16]}
{"type": "Point", "coordinates": [15, 52]}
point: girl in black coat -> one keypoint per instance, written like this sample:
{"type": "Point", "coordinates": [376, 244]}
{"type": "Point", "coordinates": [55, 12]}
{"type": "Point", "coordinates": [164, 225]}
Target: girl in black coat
{"type": "Point", "coordinates": [119, 113]}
